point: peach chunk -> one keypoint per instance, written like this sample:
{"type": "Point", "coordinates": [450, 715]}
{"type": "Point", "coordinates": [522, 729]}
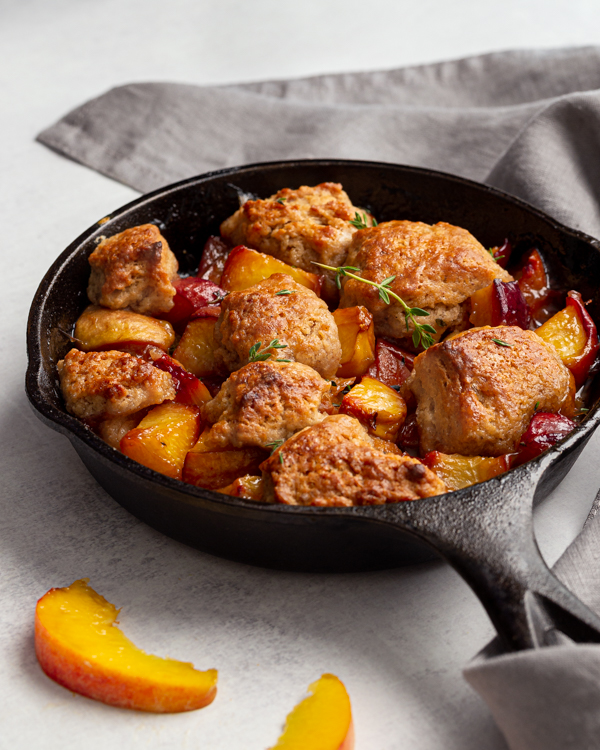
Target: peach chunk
{"type": "Point", "coordinates": [246, 267]}
{"type": "Point", "coordinates": [323, 721]}
{"type": "Point", "coordinates": [573, 334]}
{"type": "Point", "coordinates": [100, 328]}
{"type": "Point", "coordinates": [78, 645]}
{"type": "Point", "coordinates": [212, 467]}
{"type": "Point", "coordinates": [377, 406]}
{"type": "Point", "coordinates": [458, 471]}
{"type": "Point", "coordinates": [196, 349]}
{"type": "Point", "coordinates": [163, 438]}
{"type": "Point", "coordinates": [248, 486]}
{"type": "Point", "coordinates": [357, 337]}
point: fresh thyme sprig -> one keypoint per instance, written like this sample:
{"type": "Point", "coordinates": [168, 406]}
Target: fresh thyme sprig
{"type": "Point", "coordinates": [492, 251]}
{"type": "Point", "coordinates": [421, 331]}
{"type": "Point", "coordinates": [360, 221]}
{"type": "Point", "coordinates": [274, 445]}
{"type": "Point", "coordinates": [255, 355]}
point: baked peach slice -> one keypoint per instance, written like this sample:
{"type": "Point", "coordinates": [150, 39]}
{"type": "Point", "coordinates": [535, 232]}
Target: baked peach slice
{"type": "Point", "coordinates": [163, 438]}
{"type": "Point", "coordinates": [212, 466]}
{"type": "Point", "coordinates": [246, 267]}
{"type": "Point", "coordinates": [573, 334]}
{"type": "Point", "coordinates": [196, 348]}
{"type": "Point", "coordinates": [323, 721]}
{"type": "Point", "coordinates": [78, 645]}
{"type": "Point", "coordinates": [357, 337]}
{"type": "Point", "coordinates": [458, 471]}
{"type": "Point", "coordinates": [99, 328]}
{"type": "Point", "coordinates": [377, 406]}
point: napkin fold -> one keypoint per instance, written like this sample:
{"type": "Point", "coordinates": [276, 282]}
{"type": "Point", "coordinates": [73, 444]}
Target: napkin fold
{"type": "Point", "coordinates": [527, 122]}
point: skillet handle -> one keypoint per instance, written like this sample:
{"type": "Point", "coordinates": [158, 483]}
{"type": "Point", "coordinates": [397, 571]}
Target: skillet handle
{"type": "Point", "coordinates": [486, 533]}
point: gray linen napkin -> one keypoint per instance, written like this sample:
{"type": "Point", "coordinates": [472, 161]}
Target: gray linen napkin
{"type": "Point", "coordinates": [526, 122]}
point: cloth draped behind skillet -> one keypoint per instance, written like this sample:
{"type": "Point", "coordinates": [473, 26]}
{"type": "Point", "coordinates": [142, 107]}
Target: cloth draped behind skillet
{"type": "Point", "coordinates": [527, 122]}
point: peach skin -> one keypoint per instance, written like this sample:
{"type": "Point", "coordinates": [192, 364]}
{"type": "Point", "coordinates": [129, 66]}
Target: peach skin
{"type": "Point", "coordinates": [78, 645]}
{"type": "Point", "coordinates": [323, 721]}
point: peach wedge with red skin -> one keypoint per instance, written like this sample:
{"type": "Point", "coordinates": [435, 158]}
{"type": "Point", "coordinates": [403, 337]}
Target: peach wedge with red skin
{"type": "Point", "coordinates": [79, 646]}
{"type": "Point", "coordinates": [377, 406]}
{"type": "Point", "coordinates": [357, 337]}
{"type": "Point", "coordinates": [573, 334]}
{"type": "Point", "coordinates": [323, 721]}
{"type": "Point", "coordinates": [99, 328]}
{"type": "Point", "coordinates": [458, 471]}
{"type": "Point", "coordinates": [163, 438]}
{"type": "Point", "coordinates": [196, 349]}
{"type": "Point", "coordinates": [213, 467]}
{"type": "Point", "coordinates": [245, 268]}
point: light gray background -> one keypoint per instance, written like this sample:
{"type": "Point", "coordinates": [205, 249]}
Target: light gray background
{"type": "Point", "coordinates": [397, 639]}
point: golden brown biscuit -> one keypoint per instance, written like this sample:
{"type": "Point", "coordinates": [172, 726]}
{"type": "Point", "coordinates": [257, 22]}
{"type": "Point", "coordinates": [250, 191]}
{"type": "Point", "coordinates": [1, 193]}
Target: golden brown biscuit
{"type": "Point", "coordinates": [297, 226]}
{"type": "Point", "coordinates": [476, 396]}
{"type": "Point", "coordinates": [436, 267]}
{"type": "Point", "coordinates": [264, 403]}
{"type": "Point", "coordinates": [112, 383]}
{"type": "Point", "coordinates": [335, 463]}
{"type": "Point", "coordinates": [134, 269]}
{"type": "Point", "coordinates": [299, 320]}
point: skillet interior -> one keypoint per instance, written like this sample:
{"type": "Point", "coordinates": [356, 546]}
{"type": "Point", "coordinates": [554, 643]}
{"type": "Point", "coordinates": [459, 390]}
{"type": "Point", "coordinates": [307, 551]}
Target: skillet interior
{"type": "Point", "coordinates": [292, 538]}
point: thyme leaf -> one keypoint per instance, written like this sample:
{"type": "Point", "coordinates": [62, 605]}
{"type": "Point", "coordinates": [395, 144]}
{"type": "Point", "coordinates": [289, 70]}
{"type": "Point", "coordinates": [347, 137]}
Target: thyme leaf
{"type": "Point", "coordinates": [501, 343]}
{"type": "Point", "coordinates": [256, 355]}
{"type": "Point", "coordinates": [274, 445]}
{"type": "Point", "coordinates": [421, 331]}
{"type": "Point", "coordinates": [280, 200]}
{"type": "Point", "coordinates": [284, 291]}
{"type": "Point", "coordinates": [360, 221]}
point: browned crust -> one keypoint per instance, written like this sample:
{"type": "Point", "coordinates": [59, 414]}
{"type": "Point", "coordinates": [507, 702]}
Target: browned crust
{"type": "Point", "coordinates": [436, 268]}
{"type": "Point", "coordinates": [111, 383]}
{"type": "Point", "coordinates": [297, 226]}
{"type": "Point", "coordinates": [476, 397]}
{"type": "Point", "coordinates": [134, 269]}
{"type": "Point", "coordinates": [299, 320]}
{"type": "Point", "coordinates": [265, 402]}
{"type": "Point", "coordinates": [335, 463]}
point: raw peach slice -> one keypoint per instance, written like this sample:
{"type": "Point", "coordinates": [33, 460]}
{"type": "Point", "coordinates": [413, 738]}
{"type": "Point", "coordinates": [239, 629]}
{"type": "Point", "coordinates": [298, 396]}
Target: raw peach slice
{"type": "Point", "coordinates": [163, 438]}
{"type": "Point", "coordinates": [79, 646]}
{"type": "Point", "coordinates": [323, 721]}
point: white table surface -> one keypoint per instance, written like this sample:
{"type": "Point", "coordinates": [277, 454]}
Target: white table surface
{"type": "Point", "coordinates": [398, 639]}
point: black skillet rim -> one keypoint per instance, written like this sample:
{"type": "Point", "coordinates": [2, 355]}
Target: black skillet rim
{"type": "Point", "coordinates": [69, 425]}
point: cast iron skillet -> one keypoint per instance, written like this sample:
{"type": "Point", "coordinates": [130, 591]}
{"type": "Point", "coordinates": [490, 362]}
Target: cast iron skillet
{"type": "Point", "coordinates": [484, 531]}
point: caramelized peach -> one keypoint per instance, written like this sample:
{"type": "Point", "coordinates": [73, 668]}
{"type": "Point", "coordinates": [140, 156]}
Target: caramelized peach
{"type": "Point", "coordinates": [248, 486]}
{"type": "Point", "coordinates": [462, 471]}
{"type": "Point", "coordinates": [357, 337]}
{"type": "Point", "coordinates": [192, 295]}
{"type": "Point", "coordinates": [533, 281]}
{"type": "Point", "coordinates": [100, 328]}
{"type": "Point", "coordinates": [78, 645]}
{"type": "Point", "coordinates": [323, 721]}
{"type": "Point", "coordinates": [213, 259]}
{"type": "Point", "coordinates": [544, 431]}
{"type": "Point", "coordinates": [196, 349]}
{"type": "Point", "coordinates": [393, 364]}
{"type": "Point", "coordinates": [573, 334]}
{"type": "Point", "coordinates": [499, 304]}
{"type": "Point", "coordinates": [190, 390]}
{"type": "Point", "coordinates": [246, 267]}
{"type": "Point", "coordinates": [163, 438]}
{"type": "Point", "coordinates": [211, 467]}
{"type": "Point", "coordinates": [377, 406]}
